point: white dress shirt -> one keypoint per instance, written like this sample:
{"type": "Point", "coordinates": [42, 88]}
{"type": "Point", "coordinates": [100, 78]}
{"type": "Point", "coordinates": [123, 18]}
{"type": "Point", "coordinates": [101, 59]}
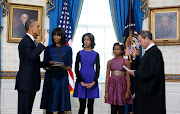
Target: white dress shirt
{"type": "Point", "coordinates": [151, 45]}
{"type": "Point", "coordinates": [31, 36]}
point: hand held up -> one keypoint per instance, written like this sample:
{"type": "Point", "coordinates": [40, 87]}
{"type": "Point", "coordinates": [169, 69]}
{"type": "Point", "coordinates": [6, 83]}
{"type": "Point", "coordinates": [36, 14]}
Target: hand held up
{"type": "Point", "coordinates": [43, 39]}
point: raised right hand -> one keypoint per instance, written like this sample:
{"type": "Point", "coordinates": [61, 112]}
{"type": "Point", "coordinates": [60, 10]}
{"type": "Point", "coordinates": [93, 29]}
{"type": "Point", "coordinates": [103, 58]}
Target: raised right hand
{"type": "Point", "coordinates": [43, 36]}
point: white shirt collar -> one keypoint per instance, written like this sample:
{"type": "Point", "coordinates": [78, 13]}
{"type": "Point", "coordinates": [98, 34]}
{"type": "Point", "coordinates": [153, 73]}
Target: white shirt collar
{"type": "Point", "coordinates": [151, 45]}
{"type": "Point", "coordinates": [30, 36]}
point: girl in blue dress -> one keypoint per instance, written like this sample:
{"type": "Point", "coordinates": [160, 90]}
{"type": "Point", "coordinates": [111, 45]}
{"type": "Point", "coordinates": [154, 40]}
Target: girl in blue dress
{"type": "Point", "coordinates": [55, 95]}
{"type": "Point", "coordinates": [86, 86]}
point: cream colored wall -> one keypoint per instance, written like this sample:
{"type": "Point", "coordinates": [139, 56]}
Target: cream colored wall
{"type": "Point", "coordinates": [171, 54]}
{"type": "Point", "coordinates": [9, 51]}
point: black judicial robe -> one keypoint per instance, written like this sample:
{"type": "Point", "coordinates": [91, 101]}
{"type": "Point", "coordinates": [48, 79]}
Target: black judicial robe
{"type": "Point", "coordinates": [134, 65]}
{"type": "Point", "coordinates": [150, 84]}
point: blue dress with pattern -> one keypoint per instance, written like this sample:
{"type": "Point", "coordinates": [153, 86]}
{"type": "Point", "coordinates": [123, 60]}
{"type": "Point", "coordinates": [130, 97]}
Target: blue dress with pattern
{"type": "Point", "coordinates": [55, 95]}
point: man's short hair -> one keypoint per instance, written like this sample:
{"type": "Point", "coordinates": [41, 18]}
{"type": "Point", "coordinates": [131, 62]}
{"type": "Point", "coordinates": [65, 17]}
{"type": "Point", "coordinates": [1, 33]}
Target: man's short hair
{"type": "Point", "coordinates": [144, 34]}
{"type": "Point", "coordinates": [29, 23]}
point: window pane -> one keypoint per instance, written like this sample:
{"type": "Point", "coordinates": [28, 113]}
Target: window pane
{"type": "Point", "coordinates": [110, 39]}
{"type": "Point", "coordinates": [96, 12]}
{"type": "Point", "coordinates": [83, 15]}
{"type": "Point", "coordinates": [99, 38]}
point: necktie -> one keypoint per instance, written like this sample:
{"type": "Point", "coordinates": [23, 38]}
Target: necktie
{"type": "Point", "coordinates": [35, 42]}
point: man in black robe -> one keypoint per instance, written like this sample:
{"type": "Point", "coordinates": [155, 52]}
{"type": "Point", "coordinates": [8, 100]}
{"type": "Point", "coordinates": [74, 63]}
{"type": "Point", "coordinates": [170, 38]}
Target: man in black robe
{"type": "Point", "coordinates": [150, 78]}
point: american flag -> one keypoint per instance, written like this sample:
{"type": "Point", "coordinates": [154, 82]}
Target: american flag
{"type": "Point", "coordinates": [128, 51]}
{"type": "Point", "coordinates": [64, 23]}
{"type": "Point", "coordinates": [129, 30]}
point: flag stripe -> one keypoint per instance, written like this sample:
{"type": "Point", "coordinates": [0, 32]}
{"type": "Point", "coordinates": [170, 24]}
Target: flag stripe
{"type": "Point", "coordinates": [65, 24]}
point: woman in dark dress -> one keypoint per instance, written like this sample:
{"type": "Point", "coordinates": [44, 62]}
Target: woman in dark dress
{"type": "Point", "coordinates": [55, 95]}
{"type": "Point", "coordinates": [86, 86]}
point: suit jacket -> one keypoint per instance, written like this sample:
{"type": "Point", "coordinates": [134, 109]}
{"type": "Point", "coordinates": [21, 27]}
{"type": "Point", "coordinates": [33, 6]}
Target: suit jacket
{"type": "Point", "coordinates": [28, 77]}
{"type": "Point", "coordinates": [150, 84]}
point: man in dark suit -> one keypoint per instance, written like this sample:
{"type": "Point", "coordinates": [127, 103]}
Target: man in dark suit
{"type": "Point", "coordinates": [19, 31]}
{"type": "Point", "coordinates": [28, 77]}
{"type": "Point", "coordinates": [150, 78]}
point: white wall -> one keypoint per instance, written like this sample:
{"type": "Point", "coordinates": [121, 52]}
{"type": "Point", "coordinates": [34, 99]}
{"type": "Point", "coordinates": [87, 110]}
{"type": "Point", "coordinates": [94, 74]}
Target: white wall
{"type": "Point", "coordinates": [10, 62]}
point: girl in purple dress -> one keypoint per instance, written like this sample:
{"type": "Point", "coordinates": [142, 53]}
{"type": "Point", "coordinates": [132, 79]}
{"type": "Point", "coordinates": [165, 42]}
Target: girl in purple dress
{"type": "Point", "coordinates": [86, 86]}
{"type": "Point", "coordinates": [117, 91]}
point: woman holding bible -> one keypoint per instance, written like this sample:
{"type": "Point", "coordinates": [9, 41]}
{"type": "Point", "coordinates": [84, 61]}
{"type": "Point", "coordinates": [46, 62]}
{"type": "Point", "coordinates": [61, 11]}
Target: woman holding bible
{"type": "Point", "coordinates": [55, 95]}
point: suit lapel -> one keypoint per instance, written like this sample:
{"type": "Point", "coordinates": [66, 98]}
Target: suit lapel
{"type": "Point", "coordinates": [28, 37]}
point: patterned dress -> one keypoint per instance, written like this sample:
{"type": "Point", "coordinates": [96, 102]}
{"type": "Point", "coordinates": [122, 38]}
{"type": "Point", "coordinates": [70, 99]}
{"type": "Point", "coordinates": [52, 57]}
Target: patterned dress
{"type": "Point", "coordinates": [55, 95]}
{"type": "Point", "coordinates": [117, 85]}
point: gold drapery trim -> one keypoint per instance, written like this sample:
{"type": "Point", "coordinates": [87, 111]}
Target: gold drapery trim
{"type": "Point", "coordinates": [114, 20]}
{"type": "Point", "coordinates": [144, 8]}
{"type": "Point", "coordinates": [50, 6]}
{"type": "Point", "coordinates": [4, 6]}
{"type": "Point", "coordinates": [78, 16]}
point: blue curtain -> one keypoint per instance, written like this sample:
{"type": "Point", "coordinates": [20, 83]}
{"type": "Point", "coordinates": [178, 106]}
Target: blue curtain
{"type": "Point", "coordinates": [54, 16]}
{"type": "Point", "coordinates": [139, 17]}
{"type": "Point", "coordinates": [138, 14]}
{"type": "Point", "coordinates": [119, 11]}
{"type": "Point", "coordinates": [74, 9]}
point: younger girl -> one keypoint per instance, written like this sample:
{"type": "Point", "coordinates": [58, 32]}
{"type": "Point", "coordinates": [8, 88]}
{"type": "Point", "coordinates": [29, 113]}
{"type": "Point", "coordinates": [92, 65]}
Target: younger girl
{"type": "Point", "coordinates": [117, 91]}
{"type": "Point", "coordinates": [87, 77]}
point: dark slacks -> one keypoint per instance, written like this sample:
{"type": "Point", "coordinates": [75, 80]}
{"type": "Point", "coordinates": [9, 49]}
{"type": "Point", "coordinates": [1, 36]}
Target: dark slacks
{"type": "Point", "coordinates": [83, 106]}
{"type": "Point", "coordinates": [25, 101]}
{"type": "Point", "coordinates": [116, 108]}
